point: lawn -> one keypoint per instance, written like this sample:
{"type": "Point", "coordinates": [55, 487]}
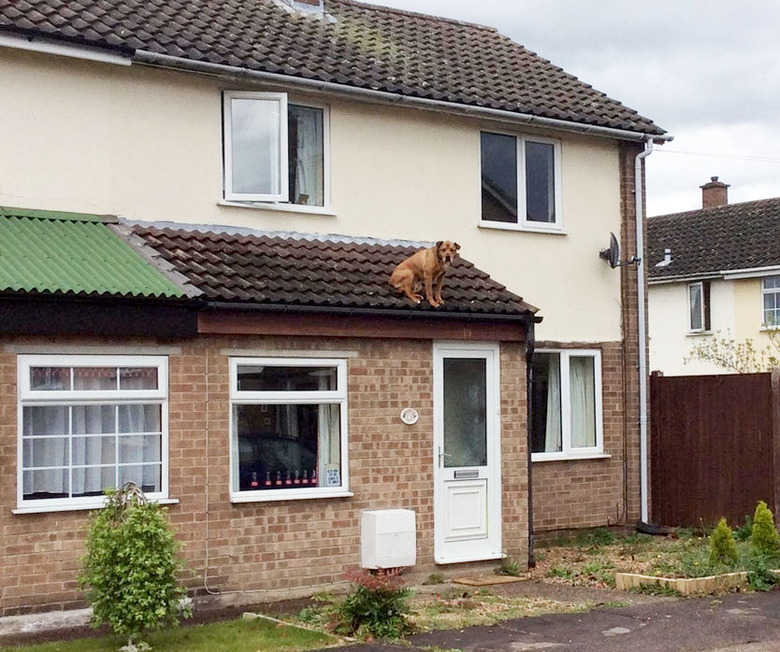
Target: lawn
{"type": "Point", "coordinates": [240, 635]}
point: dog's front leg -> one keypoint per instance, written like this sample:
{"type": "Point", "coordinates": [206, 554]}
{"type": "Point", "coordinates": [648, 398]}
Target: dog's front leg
{"type": "Point", "coordinates": [429, 290]}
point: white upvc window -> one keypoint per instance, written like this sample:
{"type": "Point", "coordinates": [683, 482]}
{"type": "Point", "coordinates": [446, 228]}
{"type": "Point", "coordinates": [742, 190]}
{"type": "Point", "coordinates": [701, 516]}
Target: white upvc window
{"type": "Point", "coordinates": [699, 307]}
{"type": "Point", "coordinates": [521, 182]}
{"type": "Point", "coordinates": [770, 298]}
{"type": "Point", "coordinates": [567, 404]}
{"type": "Point", "coordinates": [90, 423]}
{"type": "Point", "coordinates": [275, 151]}
{"type": "Point", "coordinates": [288, 428]}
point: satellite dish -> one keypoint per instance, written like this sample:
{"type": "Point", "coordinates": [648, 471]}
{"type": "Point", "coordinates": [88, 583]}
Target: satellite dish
{"type": "Point", "coordinates": [612, 253]}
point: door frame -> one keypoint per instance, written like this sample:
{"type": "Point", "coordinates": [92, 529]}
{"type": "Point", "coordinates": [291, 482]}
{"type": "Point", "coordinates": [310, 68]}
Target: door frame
{"type": "Point", "coordinates": [490, 547]}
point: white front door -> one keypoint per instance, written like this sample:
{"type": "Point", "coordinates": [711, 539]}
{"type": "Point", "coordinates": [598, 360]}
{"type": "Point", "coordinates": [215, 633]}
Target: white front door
{"type": "Point", "coordinates": [466, 455]}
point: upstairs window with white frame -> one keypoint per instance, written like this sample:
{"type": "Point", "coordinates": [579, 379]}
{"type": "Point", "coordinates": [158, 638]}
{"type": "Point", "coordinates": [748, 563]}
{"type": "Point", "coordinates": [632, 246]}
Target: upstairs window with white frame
{"type": "Point", "coordinates": [90, 423]}
{"type": "Point", "coordinates": [274, 150]}
{"type": "Point", "coordinates": [521, 182]}
{"type": "Point", "coordinates": [699, 307]}
{"type": "Point", "coordinates": [770, 295]}
{"type": "Point", "coordinates": [567, 410]}
{"type": "Point", "coordinates": [289, 428]}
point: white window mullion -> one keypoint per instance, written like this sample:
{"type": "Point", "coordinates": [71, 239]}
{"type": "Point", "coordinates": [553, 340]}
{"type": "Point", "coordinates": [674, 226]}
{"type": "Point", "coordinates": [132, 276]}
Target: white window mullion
{"type": "Point", "coordinates": [565, 404]}
{"type": "Point", "coordinates": [521, 189]}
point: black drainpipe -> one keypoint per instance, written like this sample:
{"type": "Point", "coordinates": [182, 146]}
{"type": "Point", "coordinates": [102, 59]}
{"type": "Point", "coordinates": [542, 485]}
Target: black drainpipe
{"type": "Point", "coordinates": [530, 345]}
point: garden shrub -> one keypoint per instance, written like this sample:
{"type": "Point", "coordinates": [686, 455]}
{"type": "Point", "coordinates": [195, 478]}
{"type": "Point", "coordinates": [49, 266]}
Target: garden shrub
{"type": "Point", "coordinates": [765, 540]}
{"type": "Point", "coordinates": [723, 549]}
{"type": "Point", "coordinates": [129, 570]}
{"type": "Point", "coordinates": [760, 575]}
{"type": "Point", "coordinates": [744, 531]}
{"type": "Point", "coordinates": [377, 605]}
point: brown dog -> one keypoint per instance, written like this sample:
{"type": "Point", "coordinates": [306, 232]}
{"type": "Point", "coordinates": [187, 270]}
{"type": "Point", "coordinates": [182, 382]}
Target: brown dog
{"type": "Point", "coordinates": [425, 268]}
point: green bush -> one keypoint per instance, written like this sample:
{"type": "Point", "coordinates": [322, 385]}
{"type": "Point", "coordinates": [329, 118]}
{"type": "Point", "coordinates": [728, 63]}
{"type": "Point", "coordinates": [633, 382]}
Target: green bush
{"type": "Point", "coordinates": [376, 606]}
{"type": "Point", "coordinates": [129, 570]}
{"type": "Point", "coordinates": [723, 549]}
{"type": "Point", "coordinates": [765, 540]}
{"type": "Point", "coordinates": [760, 576]}
{"type": "Point", "coordinates": [744, 531]}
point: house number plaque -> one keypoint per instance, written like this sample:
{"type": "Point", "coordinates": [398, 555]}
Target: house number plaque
{"type": "Point", "coordinates": [409, 416]}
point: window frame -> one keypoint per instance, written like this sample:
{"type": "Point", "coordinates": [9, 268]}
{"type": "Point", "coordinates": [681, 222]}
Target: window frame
{"type": "Point", "coordinates": [568, 451]}
{"type": "Point", "coordinates": [282, 199]}
{"type": "Point", "coordinates": [329, 397]}
{"type": "Point", "coordinates": [523, 223]}
{"type": "Point", "coordinates": [705, 313]}
{"type": "Point", "coordinates": [28, 397]}
{"type": "Point", "coordinates": [764, 292]}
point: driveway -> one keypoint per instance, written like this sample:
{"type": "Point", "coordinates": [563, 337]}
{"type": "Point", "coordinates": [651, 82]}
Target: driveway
{"type": "Point", "coordinates": [732, 623]}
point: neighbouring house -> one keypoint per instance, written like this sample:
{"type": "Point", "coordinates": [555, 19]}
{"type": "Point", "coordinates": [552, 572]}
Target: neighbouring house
{"type": "Point", "coordinates": [712, 272]}
{"type": "Point", "coordinates": [202, 205]}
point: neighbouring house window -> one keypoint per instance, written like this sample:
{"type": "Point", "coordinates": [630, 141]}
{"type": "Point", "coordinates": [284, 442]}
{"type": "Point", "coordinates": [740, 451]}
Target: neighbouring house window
{"type": "Point", "coordinates": [699, 306]}
{"type": "Point", "coordinates": [289, 432]}
{"type": "Point", "coordinates": [90, 423]}
{"type": "Point", "coordinates": [566, 397]}
{"type": "Point", "coordinates": [274, 150]}
{"type": "Point", "coordinates": [770, 292]}
{"type": "Point", "coordinates": [520, 181]}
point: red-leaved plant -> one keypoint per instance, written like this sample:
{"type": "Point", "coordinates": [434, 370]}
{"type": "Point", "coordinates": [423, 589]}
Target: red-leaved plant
{"type": "Point", "coordinates": [377, 605]}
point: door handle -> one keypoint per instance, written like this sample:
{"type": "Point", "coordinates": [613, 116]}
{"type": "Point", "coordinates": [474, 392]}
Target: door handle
{"type": "Point", "coordinates": [442, 455]}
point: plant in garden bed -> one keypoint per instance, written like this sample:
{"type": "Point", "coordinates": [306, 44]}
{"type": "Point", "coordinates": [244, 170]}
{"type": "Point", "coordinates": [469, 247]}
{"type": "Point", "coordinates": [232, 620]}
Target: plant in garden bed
{"type": "Point", "coordinates": [130, 567]}
{"type": "Point", "coordinates": [376, 606]}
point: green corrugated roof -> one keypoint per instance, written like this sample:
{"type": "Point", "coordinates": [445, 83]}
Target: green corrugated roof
{"type": "Point", "coordinates": [55, 252]}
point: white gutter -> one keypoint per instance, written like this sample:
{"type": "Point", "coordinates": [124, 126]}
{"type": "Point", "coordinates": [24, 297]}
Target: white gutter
{"type": "Point", "coordinates": [725, 274]}
{"type": "Point", "coordinates": [383, 97]}
{"type": "Point", "coordinates": [642, 329]}
{"type": "Point", "coordinates": [50, 46]}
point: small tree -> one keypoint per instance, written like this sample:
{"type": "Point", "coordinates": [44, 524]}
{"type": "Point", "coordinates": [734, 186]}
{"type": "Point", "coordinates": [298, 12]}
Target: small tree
{"type": "Point", "coordinates": [765, 541]}
{"type": "Point", "coordinates": [129, 570]}
{"type": "Point", "coordinates": [723, 548]}
{"type": "Point", "coordinates": [741, 357]}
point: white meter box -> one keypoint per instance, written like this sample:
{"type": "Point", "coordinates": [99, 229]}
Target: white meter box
{"type": "Point", "coordinates": [388, 538]}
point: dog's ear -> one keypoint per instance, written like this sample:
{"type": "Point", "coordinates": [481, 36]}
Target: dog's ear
{"type": "Point", "coordinates": [439, 244]}
{"type": "Point", "coordinates": [457, 246]}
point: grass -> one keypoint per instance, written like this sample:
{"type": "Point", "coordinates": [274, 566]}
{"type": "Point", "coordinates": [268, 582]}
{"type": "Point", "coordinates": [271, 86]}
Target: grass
{"type": "Point", "coordinates": [234, 636]}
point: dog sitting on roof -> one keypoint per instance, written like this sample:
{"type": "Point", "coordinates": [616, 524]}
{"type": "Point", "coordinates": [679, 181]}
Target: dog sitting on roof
{"type": "Point", "coordinates": [425, 268]}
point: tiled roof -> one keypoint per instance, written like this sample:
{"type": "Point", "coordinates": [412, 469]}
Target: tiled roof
{"type": "Point", "coordinates": [236, 268]}
{"type": "Point", "coordinates": [47, 252]}
{"type": "Point", "coordinates": [363, 46]}
{"type": "Point", "coordinates": [712, 240]}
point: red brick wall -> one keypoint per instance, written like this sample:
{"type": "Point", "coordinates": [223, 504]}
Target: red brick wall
{"type": "Point", "coordinates": [571, 494]}
{"type": "Point", "coordinates": [265, 548]}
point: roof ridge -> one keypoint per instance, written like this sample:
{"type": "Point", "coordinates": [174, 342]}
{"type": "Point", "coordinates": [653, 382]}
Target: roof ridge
{"type": "Point", "coordinates": [224, 229]}
{"type": "Point", "coordinates": [60, 216]}
{"type": "Point", "coordinates": [712, 209]}
{"type": "Point", "coordinates": [417, 14]}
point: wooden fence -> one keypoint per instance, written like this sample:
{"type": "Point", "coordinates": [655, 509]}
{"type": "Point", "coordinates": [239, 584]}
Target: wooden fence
{"type": "Point", "coordinates": [715, 446]}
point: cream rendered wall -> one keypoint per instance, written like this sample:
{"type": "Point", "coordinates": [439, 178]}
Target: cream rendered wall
{"type": "Point", "coordinates": [669, 328]}
{"type": "Point", "coordinates": [146, 144]}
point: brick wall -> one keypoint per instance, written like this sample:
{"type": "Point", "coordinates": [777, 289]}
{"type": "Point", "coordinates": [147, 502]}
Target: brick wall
{"type": "Point", "coordinates": [265, 549]}
{"type": "Point", "coordinates": [570, 494]}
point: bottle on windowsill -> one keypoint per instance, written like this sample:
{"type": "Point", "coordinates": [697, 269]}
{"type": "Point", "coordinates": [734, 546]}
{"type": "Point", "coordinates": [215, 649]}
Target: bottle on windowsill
{"type": "Point", "coordinates": [267, 478]}
{"type": "Point", "coordinates": [278, 482]}
{"type": "Point", "coordinates": [305, 479]}
{"type": "Point", "coordinates": [314, 477]}
{"type": "Point", "coordinates": [297, 479]}
{"type": "Point", "coordinates": [288, 479]}
{"type": "Point", "coordinates": [254, 484]}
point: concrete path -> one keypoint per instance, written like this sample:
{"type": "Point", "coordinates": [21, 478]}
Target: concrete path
{"type": "Point", "coordinates": [731, 623]}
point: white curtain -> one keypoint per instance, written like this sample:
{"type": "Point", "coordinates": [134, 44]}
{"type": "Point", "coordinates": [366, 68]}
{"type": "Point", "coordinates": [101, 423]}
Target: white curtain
{"type": "Point", "coordinates": [49, 452]}
{"type": "Point", "coordinates": [309, 168]}
{"type": "Point", "coordinates": [553, 439]}
{"type": "Point", "coordinates": [583, 402]}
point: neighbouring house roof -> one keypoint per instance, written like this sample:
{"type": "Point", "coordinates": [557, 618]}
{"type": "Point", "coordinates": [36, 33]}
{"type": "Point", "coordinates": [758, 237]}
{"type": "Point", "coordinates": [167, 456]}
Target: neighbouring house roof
{"type": "Point", "coordinates": [242, 268]}
{"type": "Point", "coordinates": [714, 241]}
{"type": "Point", "coordinates": [56, 253]}
{"type": "Point", "coordinates": [356, 45]}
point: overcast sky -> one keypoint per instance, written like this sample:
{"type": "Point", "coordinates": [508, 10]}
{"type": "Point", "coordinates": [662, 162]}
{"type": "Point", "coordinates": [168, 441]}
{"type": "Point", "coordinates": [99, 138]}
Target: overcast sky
{"type": "Point", "coordinates": [707, 72]}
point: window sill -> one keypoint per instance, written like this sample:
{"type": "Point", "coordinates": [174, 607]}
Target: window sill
{"type": "Point", "coordinates": [275, 495]}
{"type": "Point", "coordinates": [508, 226]}
{"type": "Point", "coordinates": [568, 457]}
{"type": "Point", "coordinates": [699, 333]}
{"type": "Point", "coordinates": [285, 208]}
{"type": "Point", "coordinates": [79, 508]}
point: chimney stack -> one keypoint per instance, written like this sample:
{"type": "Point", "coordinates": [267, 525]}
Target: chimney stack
{"type": "Point", "coordinates": [715, 193]}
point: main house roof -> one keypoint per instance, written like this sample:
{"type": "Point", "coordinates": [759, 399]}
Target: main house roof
{"type": "Point", "coordinates": [241, 268]}
{"type": "Point", "coordinates": [710, 242]}
{"type": "Point", "coordinates": [54, 253]}
{"type": "Point", "coordinates": [355, 45]}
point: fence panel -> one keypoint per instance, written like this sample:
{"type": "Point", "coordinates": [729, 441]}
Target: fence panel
{"type": "Point", "coordinates": [711, 447]}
